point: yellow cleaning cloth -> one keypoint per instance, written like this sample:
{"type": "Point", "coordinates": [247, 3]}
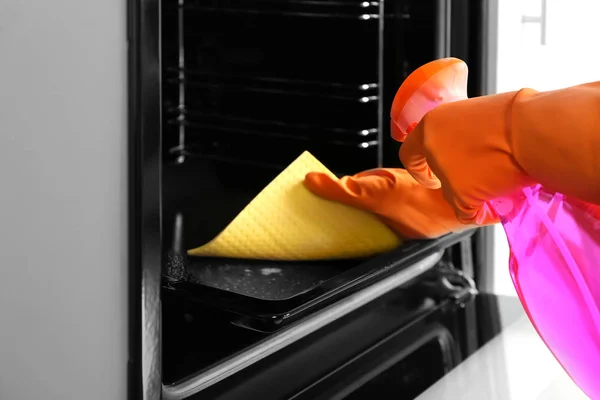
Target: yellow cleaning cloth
{"type": "Point", "coordinates": [286, 221]}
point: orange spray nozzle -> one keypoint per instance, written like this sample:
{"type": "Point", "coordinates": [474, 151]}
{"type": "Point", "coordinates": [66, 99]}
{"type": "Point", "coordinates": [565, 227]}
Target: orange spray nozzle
{"type": "Point", "coordinates": [437, 82]}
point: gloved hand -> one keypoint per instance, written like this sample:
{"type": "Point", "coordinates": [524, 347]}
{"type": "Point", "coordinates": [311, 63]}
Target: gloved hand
{"type": "Point", "coordinates": [487, 147]}
{"type": "Point", "coordinates": [410, 209]}
{"type": "Point", "coordinates": [465, 149]}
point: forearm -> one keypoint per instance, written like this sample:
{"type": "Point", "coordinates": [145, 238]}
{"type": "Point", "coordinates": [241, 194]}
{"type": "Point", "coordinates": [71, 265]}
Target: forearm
{"type": "Point", "coordinates": [555, 138]}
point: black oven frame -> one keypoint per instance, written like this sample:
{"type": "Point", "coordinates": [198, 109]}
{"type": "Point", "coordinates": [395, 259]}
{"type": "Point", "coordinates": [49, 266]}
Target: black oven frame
{"type": "Point", "coordinates": [144, 142]}
{"type": "Point", "coordinates": [145, 203]}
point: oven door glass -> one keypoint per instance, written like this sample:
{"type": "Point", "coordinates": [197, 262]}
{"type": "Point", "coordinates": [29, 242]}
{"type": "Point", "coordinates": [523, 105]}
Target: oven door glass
{"type": "Point", "coordinates": [401, 366]}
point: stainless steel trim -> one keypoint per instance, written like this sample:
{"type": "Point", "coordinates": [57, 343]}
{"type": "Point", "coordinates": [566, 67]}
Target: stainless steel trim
{"type": "Point", "coordinates": [151, 336]}
{"type": "Point", "coordinates": [444, 28]}
{"type": "Point", "coordinates": [299, 331]}
{"type": "Point", "coordinates": [366, 17]}
{"type": "Point", "coordinates": [466, 257]}
{"type": "Point", "coordinates": [448, 33]}
{"type": "Point", "coordinates": [485, 266]}
{"type": "Point", "coordinates": [366, 145]}
{"type": "Point", "coordinates": [490, 51]}
{"type": "Point", "coordinates": [380, 82]}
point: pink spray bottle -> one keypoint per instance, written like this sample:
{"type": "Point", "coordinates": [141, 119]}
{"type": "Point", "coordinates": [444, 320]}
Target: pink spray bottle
{"type": "Point", "coordinates": [554, 240]}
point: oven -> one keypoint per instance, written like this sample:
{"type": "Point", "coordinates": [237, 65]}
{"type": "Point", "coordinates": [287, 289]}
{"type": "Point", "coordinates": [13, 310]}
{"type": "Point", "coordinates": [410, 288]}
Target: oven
{"type": "Point", "coordinates": [224, 94]}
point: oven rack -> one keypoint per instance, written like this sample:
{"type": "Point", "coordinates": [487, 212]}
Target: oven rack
{"type": "Point", "coordinates": [293, 140]}
{"type": "Point", "coordinates": [351, 9]}
{"type": "Point", "coordinates": [204, 41]}
{"type": "Point", "coordinates": [200, 123]}
{"type": "Point", "coordinates": [220, 144]}
{"type": "Point", "coordinates": [337, 167]}
{"type": "Point", "coordinates": [328, 119]}
{"type": "Point", "coordinates": [265, 103]}
{"type": "Point", "coordinates": [361, 92]}
{"type": "Point", "coordinates": [227, 137]}
{"type": "Point", "coordinates": [220, 105]}
{"type": "Point", "coordinates": [281, 99]}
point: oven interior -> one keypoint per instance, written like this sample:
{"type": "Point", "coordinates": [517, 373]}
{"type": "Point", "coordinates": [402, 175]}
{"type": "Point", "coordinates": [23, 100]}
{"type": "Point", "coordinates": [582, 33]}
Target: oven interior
{"type": "Point", "coordinates": [247, 86]}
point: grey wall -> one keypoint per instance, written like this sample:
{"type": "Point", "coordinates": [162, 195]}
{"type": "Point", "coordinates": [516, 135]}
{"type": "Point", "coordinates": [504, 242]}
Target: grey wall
{"type": "Point", "coordinates": [63, 271]}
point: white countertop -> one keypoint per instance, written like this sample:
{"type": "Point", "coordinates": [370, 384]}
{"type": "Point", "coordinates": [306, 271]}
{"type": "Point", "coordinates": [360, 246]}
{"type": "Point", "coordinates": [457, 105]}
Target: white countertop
{"type": "Point", "coordinates": [516, 365]}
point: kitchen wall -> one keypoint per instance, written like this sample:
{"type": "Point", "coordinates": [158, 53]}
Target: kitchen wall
{"type": "Point", "coordinates": [63, 279]}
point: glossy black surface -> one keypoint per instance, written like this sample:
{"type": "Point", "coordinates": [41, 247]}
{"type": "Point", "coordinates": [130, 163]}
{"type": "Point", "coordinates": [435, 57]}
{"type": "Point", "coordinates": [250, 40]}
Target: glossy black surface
{"type": "Point", "coordinates": [398, 345]}
{"type": "Point", "coordinates": [239, 287]}
{"type": "Point", "coordinates": [263, 280]}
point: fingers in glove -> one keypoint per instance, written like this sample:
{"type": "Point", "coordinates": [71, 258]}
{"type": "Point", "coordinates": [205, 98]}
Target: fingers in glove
{"type": "Point", "coordinates": [413, 157]}
{"type": "Point", "coordinates": [362, 190]}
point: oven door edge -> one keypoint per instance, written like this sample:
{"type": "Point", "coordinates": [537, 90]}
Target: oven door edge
{"type": "Point", "coordinates": [144, 208]}
{"type": "Point", "coordinates": [302, 329]}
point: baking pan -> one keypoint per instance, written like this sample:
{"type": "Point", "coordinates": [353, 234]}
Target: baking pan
{"type": "Point", "coordinates": [267, 295]}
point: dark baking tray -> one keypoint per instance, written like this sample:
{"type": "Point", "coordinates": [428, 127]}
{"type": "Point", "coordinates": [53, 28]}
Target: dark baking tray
{"type": "Point", "coordinates": [266, 295]}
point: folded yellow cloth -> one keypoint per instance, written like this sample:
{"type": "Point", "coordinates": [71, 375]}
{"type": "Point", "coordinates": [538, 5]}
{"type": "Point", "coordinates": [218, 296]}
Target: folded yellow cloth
{"type": "Point", "coordinates": [285, 221]}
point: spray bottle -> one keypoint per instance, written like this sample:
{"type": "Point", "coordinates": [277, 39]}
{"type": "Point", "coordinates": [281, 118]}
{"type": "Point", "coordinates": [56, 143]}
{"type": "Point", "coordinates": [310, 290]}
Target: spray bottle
{"type": "Point", "coordinates": [554, 239]}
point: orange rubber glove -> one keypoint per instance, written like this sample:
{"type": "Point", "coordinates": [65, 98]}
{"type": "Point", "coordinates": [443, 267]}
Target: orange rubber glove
{"type": "Point", "coordinates": [476, 150]}
{"type": "Point", "coordinates": [486, 147]}
{"type": "Point", "coordinates": [410, 209]}
{"type": "Point", "coordinates": [407, 207]}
